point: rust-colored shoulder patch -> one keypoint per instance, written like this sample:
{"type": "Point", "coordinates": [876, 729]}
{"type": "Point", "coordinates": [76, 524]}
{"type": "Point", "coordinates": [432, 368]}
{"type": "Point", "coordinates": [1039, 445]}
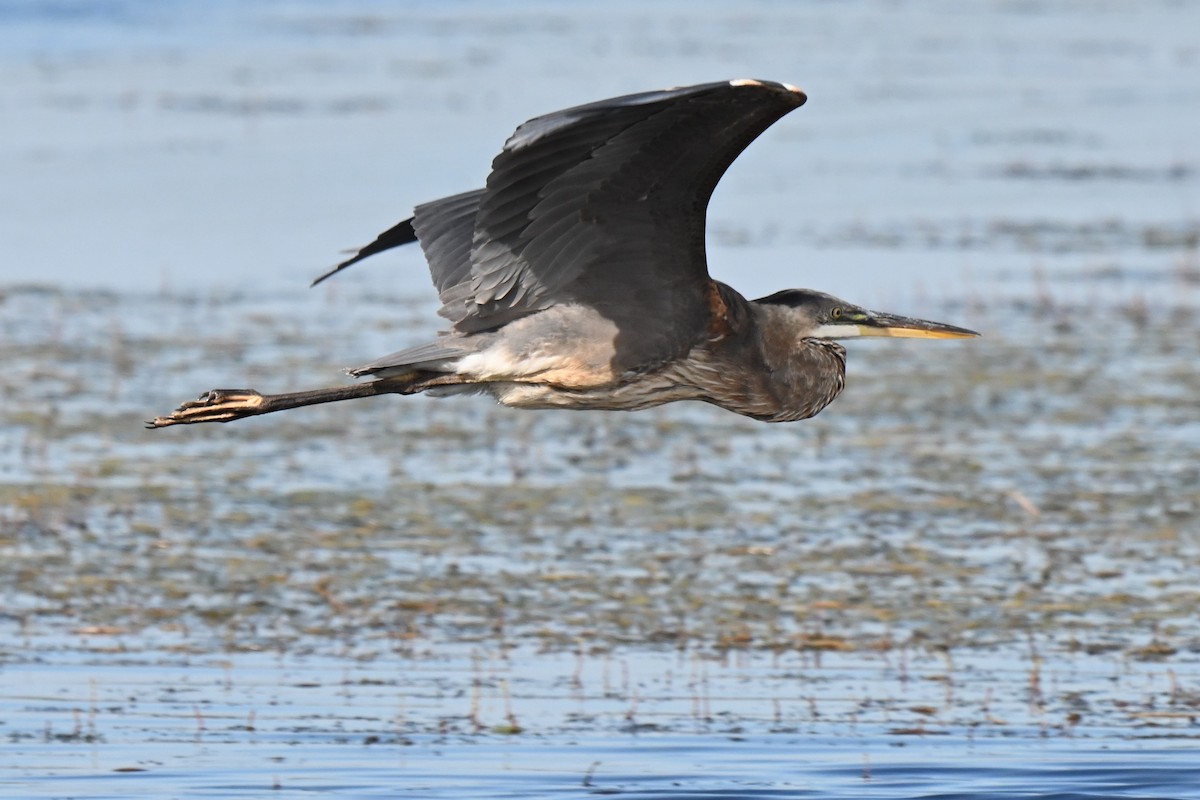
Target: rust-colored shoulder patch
{"type": "Point", "coordinates": [719, 323]}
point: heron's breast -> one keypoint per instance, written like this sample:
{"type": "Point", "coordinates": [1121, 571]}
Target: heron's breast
{"type": "Point", "coordinates": [566, 346]}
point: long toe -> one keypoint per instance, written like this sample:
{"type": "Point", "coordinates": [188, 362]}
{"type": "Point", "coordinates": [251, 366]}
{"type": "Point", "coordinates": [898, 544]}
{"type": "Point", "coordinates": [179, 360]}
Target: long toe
{"type": "Point", "coordinates": [219, 405]}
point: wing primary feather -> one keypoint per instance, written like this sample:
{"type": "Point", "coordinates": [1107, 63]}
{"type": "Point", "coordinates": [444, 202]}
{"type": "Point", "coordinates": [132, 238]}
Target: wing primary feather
{"type": "Point", "coordinates": [398, 234]}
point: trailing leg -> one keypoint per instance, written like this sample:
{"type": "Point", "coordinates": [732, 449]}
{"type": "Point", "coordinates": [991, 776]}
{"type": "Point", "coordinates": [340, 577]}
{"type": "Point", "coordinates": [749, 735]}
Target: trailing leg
{"type": "Point", "coordinates": [226, 405]}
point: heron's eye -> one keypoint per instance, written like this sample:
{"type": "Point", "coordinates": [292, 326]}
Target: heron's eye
{"type": "Point", "coordinates": [836, 313]}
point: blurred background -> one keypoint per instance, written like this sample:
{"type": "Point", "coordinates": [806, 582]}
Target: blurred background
{"type": "Point", "coordinates": [985, 554]}
{"type": "Point", "coordinates": [965, 141]}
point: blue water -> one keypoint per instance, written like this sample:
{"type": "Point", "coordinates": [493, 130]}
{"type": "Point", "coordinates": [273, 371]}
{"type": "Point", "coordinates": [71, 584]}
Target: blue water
{"type": "Point", "coordinates": [95, 722]}
{"type": "Point", "coordinates": [1034, 153]}
{"type": "Point", "coordinates": [650, 766]}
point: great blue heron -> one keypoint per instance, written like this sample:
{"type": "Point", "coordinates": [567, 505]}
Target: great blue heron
{"type": "Point", "coordinates": [577, 277]}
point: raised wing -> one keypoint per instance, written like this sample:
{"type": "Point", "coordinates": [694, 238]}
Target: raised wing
{"type": "Point", "coordinates": [604, 204]}
{"type": "Point", "coordinates": [601, 205]}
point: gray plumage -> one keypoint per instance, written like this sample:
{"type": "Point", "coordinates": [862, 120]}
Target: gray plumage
{"type": "Point", "coordinates": [577, 278]}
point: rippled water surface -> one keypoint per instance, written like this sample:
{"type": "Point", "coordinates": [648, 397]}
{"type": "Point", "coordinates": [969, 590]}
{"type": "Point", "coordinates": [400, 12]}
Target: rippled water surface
{"type": "Point", "coordinates": [977, 574]}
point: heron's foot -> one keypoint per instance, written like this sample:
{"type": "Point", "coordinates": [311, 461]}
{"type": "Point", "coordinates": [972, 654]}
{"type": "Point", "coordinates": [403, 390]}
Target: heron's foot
{"type": "Point", "coordinates": [219, 405]}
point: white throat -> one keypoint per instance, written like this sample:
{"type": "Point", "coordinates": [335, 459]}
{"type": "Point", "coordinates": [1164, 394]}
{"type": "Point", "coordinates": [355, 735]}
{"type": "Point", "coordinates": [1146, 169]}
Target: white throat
{"type": "Point", "coordinates": [837, 331]}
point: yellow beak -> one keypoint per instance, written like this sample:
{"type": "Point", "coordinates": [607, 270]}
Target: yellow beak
{"type": "Point", "coordinates": [878, 324]}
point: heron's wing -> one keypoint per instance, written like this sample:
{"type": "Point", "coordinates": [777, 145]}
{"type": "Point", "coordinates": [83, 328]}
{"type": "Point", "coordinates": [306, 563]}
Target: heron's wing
{"type": "Point", "coordinates": [446, 229]}
{"type": "Point", "coordinates": [604, 205]}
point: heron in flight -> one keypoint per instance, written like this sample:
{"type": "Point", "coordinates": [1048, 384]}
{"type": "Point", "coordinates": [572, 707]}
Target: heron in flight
{"type": "Point", "coordinates": [577, 278]}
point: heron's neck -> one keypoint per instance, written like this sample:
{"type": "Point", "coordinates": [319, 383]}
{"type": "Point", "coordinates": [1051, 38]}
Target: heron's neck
{"type": "Point", "coordinates": [754, 364]}
{"type": "Point", "coordinates": [803, 374]}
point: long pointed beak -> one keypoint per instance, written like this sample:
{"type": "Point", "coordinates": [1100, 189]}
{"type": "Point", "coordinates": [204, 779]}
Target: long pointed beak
{"type": "Point", "coordinates": [879, 324]}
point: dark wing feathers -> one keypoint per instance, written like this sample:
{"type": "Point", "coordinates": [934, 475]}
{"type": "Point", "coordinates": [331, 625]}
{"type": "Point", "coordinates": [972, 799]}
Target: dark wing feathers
{"type": "Point", "coordinates": [541, 127]}
{"type": "Point", "coordinates": [602, 204]}
{"type": "Point", "coordinates": [445, 228]}
{"type": "Point", "coordinates": [398, 234]}
{"type": "Point", "coordinates": [619, 187]}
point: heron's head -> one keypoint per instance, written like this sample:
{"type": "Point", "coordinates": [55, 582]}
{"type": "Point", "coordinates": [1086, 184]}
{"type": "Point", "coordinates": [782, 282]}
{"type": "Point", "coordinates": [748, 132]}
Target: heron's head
{"type": "Point", "coordinates": [823, 316]}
